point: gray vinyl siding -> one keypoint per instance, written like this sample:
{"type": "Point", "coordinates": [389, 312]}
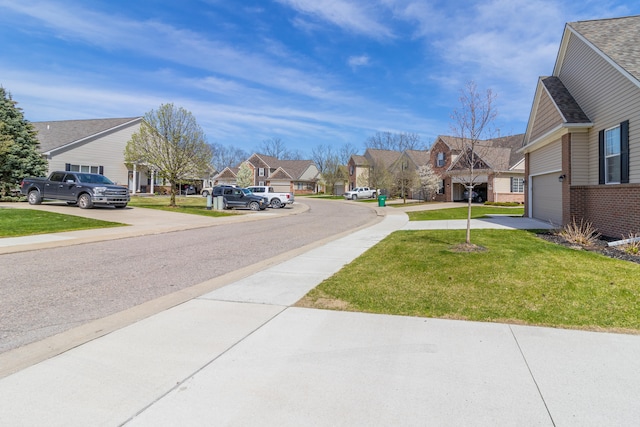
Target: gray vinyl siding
{"type": "Point", "coordinates": [546, 159]}
{"type": "Point", "coordinates": [606, 96]}
{"type": "Point", "coordinates": [106, 150]}
{"type": "Point", "coordinates": [547, 117]}
{"type": "Point", "coordinates": [580, 158]}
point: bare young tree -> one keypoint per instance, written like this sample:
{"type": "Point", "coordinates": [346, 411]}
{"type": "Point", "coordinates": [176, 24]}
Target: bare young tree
{"type": "Point", "coordinates": [395, 141]}
{"type": "Point", "coordinates": [275, 147]}
{"type": "Point", "coordinates": [472, 123]}
{"type": "Point", "coordinates": [405, 180]}
{"type": "Point", "coordinates": [224, 156]}
{"type": "Point", "coordinates": [345, 152]}
{"type": "Point", "coordinates": [171, 142]}
{"type": "Point", "coordinates": [321, 156]}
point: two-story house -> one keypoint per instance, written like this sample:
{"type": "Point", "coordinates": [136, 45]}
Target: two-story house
{"type": "Point", "coordinates": [498, 168]}
{"type": "Point", "coordinates": [291, 176]}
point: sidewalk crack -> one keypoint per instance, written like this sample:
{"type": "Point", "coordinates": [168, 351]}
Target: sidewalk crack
{"type": "Point", "coordinates": [524, 358]}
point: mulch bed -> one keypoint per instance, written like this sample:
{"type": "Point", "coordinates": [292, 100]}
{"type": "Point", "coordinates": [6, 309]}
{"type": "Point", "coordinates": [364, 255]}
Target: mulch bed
{"type": "Point", "coordinates": [600, 247]}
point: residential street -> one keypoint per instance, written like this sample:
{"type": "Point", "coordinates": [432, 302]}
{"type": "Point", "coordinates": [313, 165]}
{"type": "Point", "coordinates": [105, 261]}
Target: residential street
{"type": "Point", "coordinates": [45, 292]}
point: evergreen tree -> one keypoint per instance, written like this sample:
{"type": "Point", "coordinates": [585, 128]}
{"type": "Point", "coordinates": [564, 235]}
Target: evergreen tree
{"type": "Point", "coordinates": [19, 153]}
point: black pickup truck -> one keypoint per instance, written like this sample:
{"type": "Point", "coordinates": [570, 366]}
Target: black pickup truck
{"type": "Point", "coordinates": [83, 189]}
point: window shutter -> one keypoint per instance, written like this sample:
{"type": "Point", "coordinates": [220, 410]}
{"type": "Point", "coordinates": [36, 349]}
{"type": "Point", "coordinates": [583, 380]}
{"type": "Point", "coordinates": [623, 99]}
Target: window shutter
{"type": "Point", "coordinates": [67, 167]}
{"type": "Point", "coordinates": [101, 170]}
{"type": "Point", "coordinates": [601, 157]}
{"type": "Point", "coordinates": [624, 152]}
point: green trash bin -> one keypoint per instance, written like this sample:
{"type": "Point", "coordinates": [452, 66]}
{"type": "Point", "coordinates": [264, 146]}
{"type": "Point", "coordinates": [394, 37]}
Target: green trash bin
{"type": "Point", "coordinates": [382, 200]}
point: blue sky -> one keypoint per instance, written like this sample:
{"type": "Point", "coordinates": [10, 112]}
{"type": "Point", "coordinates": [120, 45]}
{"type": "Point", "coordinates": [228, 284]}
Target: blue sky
{"type": "Point", "coordinates": [309, 72]}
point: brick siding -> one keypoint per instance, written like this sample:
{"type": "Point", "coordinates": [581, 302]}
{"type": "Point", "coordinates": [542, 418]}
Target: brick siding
{"type": "Point", "coordinates": [614, 210]}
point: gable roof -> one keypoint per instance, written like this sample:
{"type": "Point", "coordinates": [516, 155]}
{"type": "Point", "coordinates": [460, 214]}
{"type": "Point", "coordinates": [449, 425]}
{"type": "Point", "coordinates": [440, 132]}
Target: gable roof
{"type": "Point", "coordinates": [359, 160]}
{"type": "Point", "coordinates": [512, 143]}
{"type": "Point", "coordinates": [385, 157]}
{"type": "Point", "coordinates": [57, 134]}
{"type": "Point", "coordinates": [564, 101]}
{"type": "Point", "coordinates": [453, 142]}
{"type": "Point", "coordinates": [294, 169]}
{"type": "Point", "coordinates": [617, 39]}
{"type": "Point", "coordinates": [418, 157]}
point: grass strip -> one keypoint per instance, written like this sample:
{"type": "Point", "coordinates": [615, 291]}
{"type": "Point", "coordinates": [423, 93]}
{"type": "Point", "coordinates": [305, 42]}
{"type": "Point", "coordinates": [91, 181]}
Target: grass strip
{"type": "Point", "coordinates": [461, 213]}
{"type": "Point", "coordinates": [27, 222]}
{"type": "Point", "coordinates": [519, 278]}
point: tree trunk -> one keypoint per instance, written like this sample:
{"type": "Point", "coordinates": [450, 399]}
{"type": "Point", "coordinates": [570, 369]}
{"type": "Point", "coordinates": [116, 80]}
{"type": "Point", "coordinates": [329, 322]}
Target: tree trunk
{"type": "Point", "coordinates": [468, 238]}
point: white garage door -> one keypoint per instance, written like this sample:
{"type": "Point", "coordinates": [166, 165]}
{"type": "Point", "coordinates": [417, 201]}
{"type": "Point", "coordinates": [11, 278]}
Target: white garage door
{"type": "Point", "coordinates": [546, 196]}
{"type": "Point", "coordinates": [281, 186]}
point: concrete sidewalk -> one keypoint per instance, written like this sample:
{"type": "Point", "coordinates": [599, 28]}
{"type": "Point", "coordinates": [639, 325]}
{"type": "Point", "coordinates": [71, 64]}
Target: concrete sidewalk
{"type": "Point", "coordinates": [242, 355]}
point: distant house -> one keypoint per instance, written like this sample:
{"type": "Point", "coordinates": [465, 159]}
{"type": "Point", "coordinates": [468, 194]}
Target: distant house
{"type": "Point", "coordinates": [291, 176]}
{"type": "Point", "coordinates": [582, 144]}
{"type": "Point", "coordinates": [365, 170]}
{"type": "Point", "coordinates": [409, 161]}
{"type": "Point", "coordinates": [95, 145]}
{"type": "Point", "coordinates": [498, 168]}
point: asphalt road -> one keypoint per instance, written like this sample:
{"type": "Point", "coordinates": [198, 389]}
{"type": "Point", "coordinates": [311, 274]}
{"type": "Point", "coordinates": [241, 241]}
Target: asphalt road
{"type": "Point", "coordinates": [49, 291]}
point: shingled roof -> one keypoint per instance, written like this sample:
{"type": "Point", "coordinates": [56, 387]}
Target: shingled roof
{"type": "Point", "coordinates": [569, 108]}
{"type": "Point", "coordinates": [295, 169]}
{"type": "Point", "coordinates": [56, 134]}
{"type": "Point", "coordinates": [617, 38]}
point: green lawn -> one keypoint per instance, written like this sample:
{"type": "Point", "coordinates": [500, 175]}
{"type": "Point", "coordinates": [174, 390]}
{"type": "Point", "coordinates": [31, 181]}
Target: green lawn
{"type": "Point", "coordinates": [190, 205]}
{"type": "Point", "coordinates": [461, 213]}
{"type": "Point", "coordinates": [519, 278]}
{"type": "Point", "coordinates": [26, 222]}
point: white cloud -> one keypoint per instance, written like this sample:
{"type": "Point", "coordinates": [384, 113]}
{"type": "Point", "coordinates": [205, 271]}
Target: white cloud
{"type": "Point", "coordinates": [354, 16]}
{"type": "Point", "coordinates": [358, 61]}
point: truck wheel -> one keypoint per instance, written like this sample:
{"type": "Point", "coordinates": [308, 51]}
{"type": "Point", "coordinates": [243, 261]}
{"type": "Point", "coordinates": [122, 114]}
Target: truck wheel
{"type": "Point", "coordinates": [276, 203]}
{"type": "Point", "coordinates": [254, 206]}
{"type": "Point", "coordinates": [205, 193]}
{"type": "Point", "coordinates": [34, 197]}
{"type": "Point", "coordinates": [354, 197]}
{"type": "Point", "coordinates": [84, 201]}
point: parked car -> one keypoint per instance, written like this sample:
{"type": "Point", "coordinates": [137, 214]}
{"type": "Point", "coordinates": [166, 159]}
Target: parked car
{"type": "Point", "coordinates": [276, 200]}
{"type": "Point", "coordinates": [476, 196]}
{"type": "Point", "coordinates": [75, 188]}
{"type": "Point", "coordinates": [233, 197]}
{"type": "Point", "coordinates": [188, 189]}
{"type": "Point", "coordinates": [360, 193]}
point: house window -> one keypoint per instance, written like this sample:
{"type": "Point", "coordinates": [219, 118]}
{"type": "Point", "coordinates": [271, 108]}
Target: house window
{"type": "Point", "coordinates": [441, 188]}
{"type": "Point", "coordinates": [440, 160]}
{"type": "Point", "coordinates": [613, 152]}
{"type": "Point", "coordinates": [260, 172]}
{"type": "Point", "coordinates": [517, 185]}
{"type": "Point", "coordinates": [260, 182]}
{"type": "Point", "coordinates": [612, 155]}
{"type": "Point", "coordinates": [83, 168]}
{"type": "Point", "coordinates": [350, 170]}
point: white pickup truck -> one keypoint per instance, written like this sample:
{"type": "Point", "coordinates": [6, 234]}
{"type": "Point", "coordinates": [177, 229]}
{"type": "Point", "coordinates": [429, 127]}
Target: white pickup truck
{"type": "Point", "coordinates": [361, 193]}
{"type": "Point", "coordinates": [276, 200]}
